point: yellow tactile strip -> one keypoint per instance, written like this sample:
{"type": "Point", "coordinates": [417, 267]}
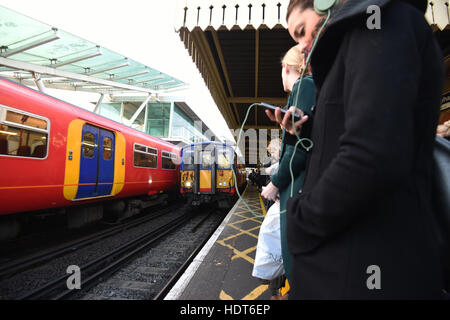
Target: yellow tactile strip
{"type": "Point", "coordinates": [245, 224]}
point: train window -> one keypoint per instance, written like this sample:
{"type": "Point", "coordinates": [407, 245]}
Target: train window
{"type": "Point", "coordinates": [168, 160]}
{"type": "Point", "coordinates": [223, 159]}
{"type": "Point", "coordinates": [188, 160]}
{"type": "Point", "coordinates": [145, 157]}
{"type": "Point", "coordinates": [88, 145]}
{"type": "Point", "coordinates": [25, 120]}
{"type": "Point", "coordinates": [206, 159]}
{"type": "Point", "coordinates": [107, 148]}
{"type": "Point", "coordinates": [22, 134]}
{"type": "Point", "coordinates": [140, 148]}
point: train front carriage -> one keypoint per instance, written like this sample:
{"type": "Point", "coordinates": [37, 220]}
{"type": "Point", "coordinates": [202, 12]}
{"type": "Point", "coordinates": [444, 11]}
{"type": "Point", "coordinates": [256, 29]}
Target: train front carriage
{"type": "Point", "coordinates": [56, 158]}
{"type": "Point", "coordinates": [206, 174]}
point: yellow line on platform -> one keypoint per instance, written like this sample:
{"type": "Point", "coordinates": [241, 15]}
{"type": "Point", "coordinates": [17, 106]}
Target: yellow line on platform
{"type": "Point", "coordinates": [236, 252]}
{"type": "Point", "coordinates": [263, 208]}
{"type": "Point", "coordinates": [256, 293]}
{"type": "Point", "coordinates": [224, 296]}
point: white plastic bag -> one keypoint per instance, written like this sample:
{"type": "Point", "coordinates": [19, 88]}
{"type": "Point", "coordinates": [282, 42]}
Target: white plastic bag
{"type": "Point", "coordinates": [268, 260]}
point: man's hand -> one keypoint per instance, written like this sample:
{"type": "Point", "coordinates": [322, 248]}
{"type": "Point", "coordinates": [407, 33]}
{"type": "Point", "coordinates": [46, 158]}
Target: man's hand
{"type": "Point", "coordinates": [286, 121]}
{"type": "Point", "coordinates": [270, 192]}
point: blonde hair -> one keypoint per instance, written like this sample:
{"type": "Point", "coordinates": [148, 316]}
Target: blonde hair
{"type": "Point", "coordinates": [275, 147]}
{"type": "Point", "coordinates": [295, 59]}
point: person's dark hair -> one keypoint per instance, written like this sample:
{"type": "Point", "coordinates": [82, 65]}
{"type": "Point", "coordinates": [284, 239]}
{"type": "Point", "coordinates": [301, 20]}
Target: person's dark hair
{"type": "Point", "coordinates": [300, 4]}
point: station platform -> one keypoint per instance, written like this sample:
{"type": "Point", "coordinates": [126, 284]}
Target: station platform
{"type": "Point", "coordinates": [223, 268]}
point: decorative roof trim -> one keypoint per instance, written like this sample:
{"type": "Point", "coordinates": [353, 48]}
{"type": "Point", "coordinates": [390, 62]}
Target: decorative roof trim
{"type": "Point", "coordinates": [230, 15]}
{"type": "Point", "coordinates": [244, 14]}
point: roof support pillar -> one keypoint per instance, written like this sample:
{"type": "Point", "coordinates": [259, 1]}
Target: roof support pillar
{"type": "Point", "coordinates": [146, 119]}
{"type": "Point", "coordinates": [139, 110]}
{"type": "Point", "coordinates": [172, 110]}
{"type": "Point", "coordinates": [38, 81]}
{"type": "Point", "coordinates": [122, 107]}
{"type": "Point", "coordinates": [99, 103]}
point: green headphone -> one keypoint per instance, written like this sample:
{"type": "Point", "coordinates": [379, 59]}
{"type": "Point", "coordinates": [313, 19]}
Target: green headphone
{"type": "Point", "coordinates": [322, 6]}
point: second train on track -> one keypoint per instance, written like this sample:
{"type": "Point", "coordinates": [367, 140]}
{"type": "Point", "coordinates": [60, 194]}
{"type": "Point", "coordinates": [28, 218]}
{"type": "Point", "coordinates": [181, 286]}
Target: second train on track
{"type": "Point", "coordinates": [206, 174]}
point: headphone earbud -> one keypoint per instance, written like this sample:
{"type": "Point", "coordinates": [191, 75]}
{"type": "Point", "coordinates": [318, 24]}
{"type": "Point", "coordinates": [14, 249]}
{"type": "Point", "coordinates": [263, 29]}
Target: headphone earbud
{"type": "Point", "coordinates": [322, 6]}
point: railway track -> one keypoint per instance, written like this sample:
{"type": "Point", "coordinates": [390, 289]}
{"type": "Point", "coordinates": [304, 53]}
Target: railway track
{"type": "Point", "coordinates": [169, 284]}
{"type": "Point", "coordinates": [23, 277]}
{"type": "Point", "coordinates": [104, 265]}
{"type": "Point", "coordinates": [23, 263]}
{"type": "Point", "coordinates": [44, 275]}
{"type": "Point", "coordinates": [151, 275]}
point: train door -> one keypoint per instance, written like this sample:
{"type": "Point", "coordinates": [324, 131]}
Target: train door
{"type": "Point", "coordinates": [206, 171]}
{"type": "Point", "coordinates": [96, 163]}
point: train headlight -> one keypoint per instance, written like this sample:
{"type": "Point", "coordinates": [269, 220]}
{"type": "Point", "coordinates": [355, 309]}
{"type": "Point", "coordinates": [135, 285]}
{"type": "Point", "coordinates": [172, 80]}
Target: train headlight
{"type": "Point", "coordinates": [188, 184]}
{"type": "Point", "coordinates": [150, 180]}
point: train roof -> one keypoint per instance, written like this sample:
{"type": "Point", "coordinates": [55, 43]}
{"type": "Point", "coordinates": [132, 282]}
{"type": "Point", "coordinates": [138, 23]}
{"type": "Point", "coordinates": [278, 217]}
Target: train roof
{"type": "Point", "coordinates": [86, 114]}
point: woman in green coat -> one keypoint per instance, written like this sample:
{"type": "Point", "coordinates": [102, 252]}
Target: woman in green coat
{"type": "Point", "coordinates": [280, 185]}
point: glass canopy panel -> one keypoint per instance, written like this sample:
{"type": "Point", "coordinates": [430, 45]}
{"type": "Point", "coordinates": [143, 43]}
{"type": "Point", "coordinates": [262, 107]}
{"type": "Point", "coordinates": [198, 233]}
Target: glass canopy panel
{"type": "Point", "coordinates": [27, 40]}
{"type": "Point", "coordinates": [15, 27]}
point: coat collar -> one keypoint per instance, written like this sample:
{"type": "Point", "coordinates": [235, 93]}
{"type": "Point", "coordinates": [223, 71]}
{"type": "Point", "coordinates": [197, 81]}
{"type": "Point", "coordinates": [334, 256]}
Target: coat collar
{"type": "Point", "coordinates": [352, 8]}
{"type": "Point", "coordinates": [330, 40]}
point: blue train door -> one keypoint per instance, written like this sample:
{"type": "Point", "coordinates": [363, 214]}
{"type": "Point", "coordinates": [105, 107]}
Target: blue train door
{"type": "Point", "coordinates": [96, 163]}
{"type": "Point", "coordinates": [106, 163]}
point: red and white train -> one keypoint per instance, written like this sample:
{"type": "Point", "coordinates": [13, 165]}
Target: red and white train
{"type": "Point", "coordinates": [56, 155]}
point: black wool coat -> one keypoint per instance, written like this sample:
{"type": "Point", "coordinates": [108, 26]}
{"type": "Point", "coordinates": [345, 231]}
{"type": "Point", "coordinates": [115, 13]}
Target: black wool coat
{"type": "Point", "coordinates": [362, 226]}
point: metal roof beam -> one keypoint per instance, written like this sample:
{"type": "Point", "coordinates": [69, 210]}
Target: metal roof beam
{"type": "Point", "coordinates": [66, 74]}
{"type": "Point", "coordinates": [150, 80]}
{"type": "Point", "coordinates": [131, 75]}
{"type": "Point", "coordinates": [77, 59]}
{"type": "Point", "coordinates": [31, 45]}
{"type": "Point", "coordinates": [161, 82]}
{"type": "Point", "coordinates": [126, 64]}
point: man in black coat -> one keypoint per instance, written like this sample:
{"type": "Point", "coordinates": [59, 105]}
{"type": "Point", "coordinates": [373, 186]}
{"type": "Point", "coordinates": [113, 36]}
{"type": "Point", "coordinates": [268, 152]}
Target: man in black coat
{"type": "Point", "coordinates": [362, 227]}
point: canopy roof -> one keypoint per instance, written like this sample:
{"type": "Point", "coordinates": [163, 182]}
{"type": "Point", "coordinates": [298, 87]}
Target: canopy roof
{"type": "Point", "coordinates": [237, 46]}
{"type": "Point", "coordinates": [31, 50]}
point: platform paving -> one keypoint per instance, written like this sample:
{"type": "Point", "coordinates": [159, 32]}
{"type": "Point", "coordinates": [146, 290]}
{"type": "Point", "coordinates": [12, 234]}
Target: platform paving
{"type": "Point", "coordinates": [223, 269]}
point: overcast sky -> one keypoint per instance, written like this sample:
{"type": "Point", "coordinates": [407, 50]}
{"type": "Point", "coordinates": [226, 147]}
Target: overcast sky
{"type": "Point", "coordinates": [142, 30]}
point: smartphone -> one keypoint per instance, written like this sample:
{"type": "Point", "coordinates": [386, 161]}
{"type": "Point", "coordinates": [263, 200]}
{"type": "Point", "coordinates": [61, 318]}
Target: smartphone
{"type": "Point", "coordinates": [283, 111]}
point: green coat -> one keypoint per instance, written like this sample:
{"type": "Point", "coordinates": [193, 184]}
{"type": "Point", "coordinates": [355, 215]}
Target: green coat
{"type": "Point", "coordinates": [282, 178]}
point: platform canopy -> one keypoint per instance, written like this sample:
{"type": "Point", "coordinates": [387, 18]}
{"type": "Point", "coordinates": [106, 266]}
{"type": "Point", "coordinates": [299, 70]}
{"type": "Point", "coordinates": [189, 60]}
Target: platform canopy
{"type": "Point", "coordinates": [238, 45]}
{"type": "Point", "coordinates": [34, 52]}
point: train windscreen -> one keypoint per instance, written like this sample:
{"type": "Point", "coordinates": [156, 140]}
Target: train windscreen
{"type": "Point", "coordinates": [188, 159]}
{"type": "Point", "coordinates": [224, 158]}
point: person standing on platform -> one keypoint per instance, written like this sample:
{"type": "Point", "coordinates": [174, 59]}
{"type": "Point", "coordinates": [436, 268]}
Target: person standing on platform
{"type": "Point", "coordinates": [292, 66]}
{"type": "Point", "coordinates": [362, 226]}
